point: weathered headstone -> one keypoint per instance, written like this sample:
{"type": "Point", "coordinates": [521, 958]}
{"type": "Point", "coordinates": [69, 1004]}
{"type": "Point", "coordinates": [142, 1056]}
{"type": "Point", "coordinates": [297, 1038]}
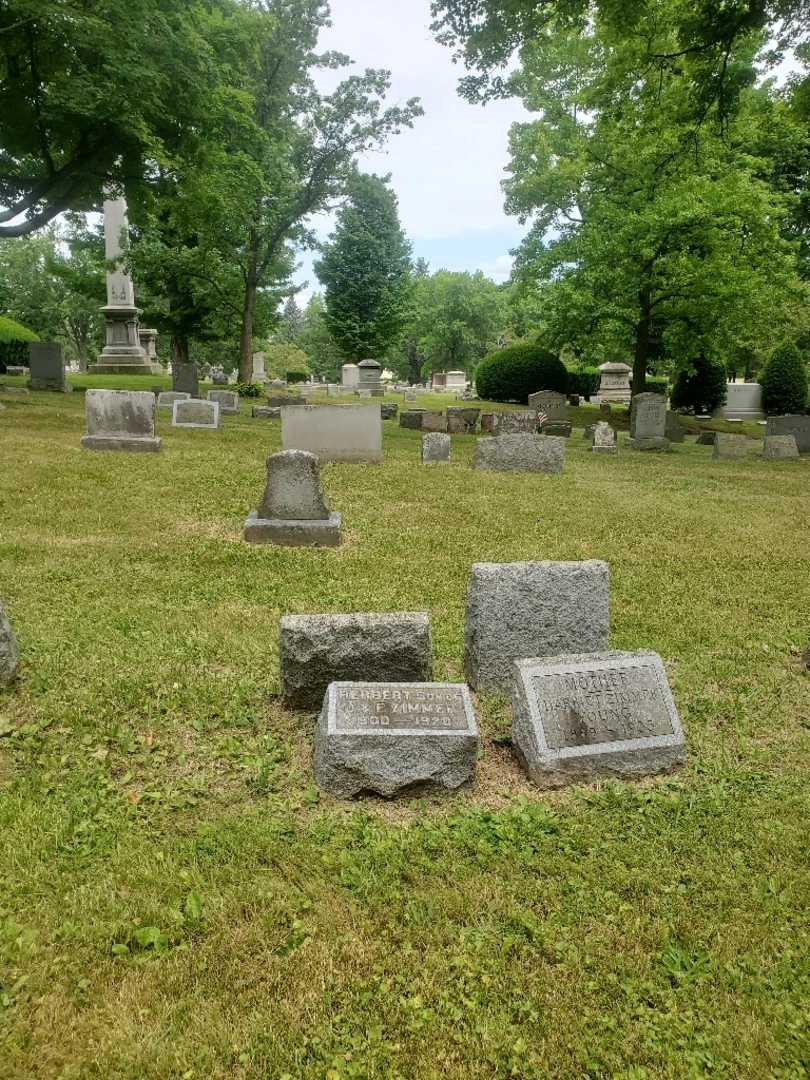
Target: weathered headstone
{"type": "Point", "coordinates": [9, 652]}
{"type": "Point", "coordinates": [316, 650]}
{"type": "Point", "coordinates": [520, 453]}
{"type": "Point", "coordinates": [389, 410]}
{"type": "Point", "coordinates": [605, 408]}
{"type": "Point", "coordinates": [395, 739]}
{"type": "Point", "coordinates": [265, 412]}
{"type": "Point", "coordinates": [588, 433]}
{"type": "Point", "coordinates": [778, 447]}
{"type": "Point", "coordinates": [549, 402]}
{"type": "Point", "coordinates": [514, 423]}
{"type": "Point", "coordinates": [167, 398]}
{"type": "Point", "coordinates": [579, 717]}
{"type": "Point", "coordinates": [16, 369]}
{"type": "Point", "coordinates": [561, 428]}
{"type": "Point", "coordinates": [228, 401]}
{"type": "Point", "coordinates": [435, 449]}
{"type": "Point", "coordinates": [194, 413]}
{"type": "Point", "coordinates": [433, 421]}
{"type": "Point", "coordinates": [705, 438]}
{"type": "Point", "coordinates": [462, 420]}
{"type": "Point", "coordinates": [410, 395]}
{"type": "Point", "coordinates": [648, 421]}
{"type": "Point", "coordinates": [730, 447]}
{"type": "Point", "coordinates": [528, 609]}
{"type": "Point", "coordinates": [350, 375]}
{"type": "Point", "coordinates": [369, 372]}
{"type": "Point", "coordinates": [796, 425]}
{"type": "Point", "coordinates": [614, 383]}
{"type": "Point", "coordinates": [674, 429]}
{"type": "Point", "coordinates": [487, 422]}
{"type": "Point", "coordinates": [186, 379]}
{"type": "Point", "coordinates": [294, 511]}
{"type": "Point", "coordinates": [350, 433]}
{"type": "Point", "coordinates": [120, 420]}
{"type": "Point", "coordinates": [47, 367]}
{"type": "Point", "coordinates": [411, 419]}
{"type": "Point", "coordinates": [743, 402]}
{"type": "Point", "coordinates": [218, 377]}
{"type": "Point", "coordinates": [604, 439]}
{"type": "Point", "coordinates": [278, 401]}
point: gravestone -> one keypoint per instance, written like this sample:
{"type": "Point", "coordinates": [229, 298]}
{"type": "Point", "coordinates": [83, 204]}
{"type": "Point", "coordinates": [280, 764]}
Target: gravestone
{"type": "Point", "coordinates": [528, 609]}
{"type": "Point", "coordinates": [370, 372]}
{"type": "Point", "coordinates": [796, 425]}
{"type": "Point", "coordinates": [278, 401]}
{"type": "Point", "coordinates": [15, 369]}
{"type": "Point", "coordinates": [743, 402]}
{"type": "Point", "coordinates": [514, 423]}
{"type": "Point", "coordinates": [46, 366]}
{"type": "Point", "coordinates": [730, 447]}
{"type": "Point", "coordinates": [614, 383]}
{"type": "Point", "coordinates": [435, 449]}
{"type": "Point", "coordinates": [316, 650]}
{"type": "Point", "coordinates": [605, 408]}
{"type": "Point", "coordinates": [487, 422]}
{"type": "Point", "coordinates": [410, 395]}
{"type": "Point", "coordinates": [265, 412]}
{"type": "Point", "coordinates": [434, 421]}
{"type": "Point", "coordinates": [294, 511]}
{"type": "Point", "coordinates": [218, 377]}
{"type": "Point", "coordinates": [194, 413]}
{"type": "Point", "coordinates": [363, 393]}
{"type": "Point", "coordinates": [394, 739]}
{"type": "Point", "coordinates": [705, 438]}
{"type": "Point", "coordinates": [462, 420]}
{"type": "Point", "coordinates": [580, 717]}
{"type": "Point", "coordinates": [520, 453]}
{"type": "Point", "coordinates": [186, 379]}
{"type": "Point", "coordinates": [167, 398]}
{"type": "Point", "coordinates": [389, 411]}
{"type": "Point", "coordinates": [228, 401]}
{"type": "Point", "coordinates": [588, 433]}
{"type": "Point", "coordinates": [551, 403]}
{"type": "Point", "coordinates": [9, 652]}
{"type": "Point", "coordinates": [350, 433]}
{"type": "Point", "coordinates": [120, 420]}
{"type": "Point", "coordinates": [411, 419]}
{"type": "Point", "coordinates": [561, 428]}
{"type": "Point", "coordinates": [779, 447]}
{"type": "Point", "coordinates": [604, 439]}
{"type": "Point", "coordinates": [350, 375]}
{"type": "Point", "coordinates": [648, 421]}
{"type": "Point", "coordinates": [673, 429]}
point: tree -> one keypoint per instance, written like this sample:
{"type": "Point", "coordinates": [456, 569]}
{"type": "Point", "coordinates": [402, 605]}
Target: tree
{"type": "Point", "coordinates": [290, 323]}
{"type": "Point", "coordinates": [701, 389]}
{"type": "Point", "coordinates": [784, 381]}
{"type": "Point", "coordinates": [365, 270]}
{"type": "Point", "coordinates": [314, 339]}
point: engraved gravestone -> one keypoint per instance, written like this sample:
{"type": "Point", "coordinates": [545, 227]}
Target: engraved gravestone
{"type": "Point", "coordinates": [167, 398]}
{"type": "Point", "coordinates": [614, 383]}
{"type": "Point", "coordinates": [778, 447]}
{"type": "Point", "coordinates": [587, 715]}
{"type": "Point", "coordinates": [514, 423]}
{"type": "Point", "coordinates": [120, 420]}
{"type": "Point", "coordinates": [730, 447]}
{"type": "Point", "coordinates": [46, 366]}
{"type": "Point", "coordinates": [186, 379]}
{"type": "Point", "coordinates": [604, 439]}
{"type": "Point", "coordinates": [648, 420]}
{"type": "Point", "coordinates": [435, 449]}
{"type": "Point", "coordinates": [194, 413]}
{"type": "Point", "coordinates": [433, 421]}
{"type": "Point", "coordinates": [395, 739]}
{"type": "Point", "coordinates": [228, 401]}
{"type": "Point", "coordinates": [551, 403]}
{"type": "Point", "coordinates": [520, 453]}
{"type": "Point", "coordinates": [796, 425]}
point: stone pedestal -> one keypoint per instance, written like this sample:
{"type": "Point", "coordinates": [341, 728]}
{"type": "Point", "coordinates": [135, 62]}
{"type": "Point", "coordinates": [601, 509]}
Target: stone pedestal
{"type": "Point", "coordinates": [294, 511]}
{"type": "Point", "coordinates": [370, 372]}
{"type": "Point", "coordinates": [614, 384]}
{"type": "Point", "coordinates": [120, 420]}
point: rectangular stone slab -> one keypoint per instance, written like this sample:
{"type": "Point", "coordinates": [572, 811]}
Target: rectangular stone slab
{"type": "Point", "coordinates": [796, 425]}
{"type": "Point", "coordinates": [286, 533]}
{"type": "Point", "coordinates": [579, 717]}
{"type": "Point", "coordinates": [394, 739]}
{"type": "Point", "coordinates": [348, 433]}
{"type": "Point", "coordinates": [194, 413]}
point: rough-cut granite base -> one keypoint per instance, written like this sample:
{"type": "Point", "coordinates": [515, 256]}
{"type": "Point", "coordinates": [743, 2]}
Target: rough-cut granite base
{"type": "Point", "coordinates": [130, 443]}
{"type": "Point", "coordinates": [651, 442]}
{"type": "Point", "coordinates": [9, 653]}
{"type": "Point", "coordinates": [284, 533]}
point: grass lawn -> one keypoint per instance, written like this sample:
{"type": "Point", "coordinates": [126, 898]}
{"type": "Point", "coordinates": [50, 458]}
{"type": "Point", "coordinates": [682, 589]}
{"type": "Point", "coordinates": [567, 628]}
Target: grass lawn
{"type": "Point", "coordinates": [177, 900]}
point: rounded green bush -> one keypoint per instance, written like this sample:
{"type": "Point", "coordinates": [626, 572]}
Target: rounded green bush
{"type": "Point", "coordinates": [784, 382]}
{"type": "Point", "coordinates": [701, 390]}
{"type": "Point", "coordinates": [14, 331]}
{"type": "Point", "coordinates": [14, 339]}
{"type": "Point", "coordinates": [511, 374]}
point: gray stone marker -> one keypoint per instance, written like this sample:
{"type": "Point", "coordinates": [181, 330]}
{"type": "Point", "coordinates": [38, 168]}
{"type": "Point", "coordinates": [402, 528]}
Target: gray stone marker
{"type": "Point", "coordinates": [435, 449]}
{"type": "Point", "coordinates": [514, 423]}
{"type": "Point", "coordinates": [316, 650]}
{"type": "Point", "coordinates": [294, 511]}
{"type": "Point", "coordinates": [793, 424]}
{"type": "Point", "coordinates": [395, 738]}
{"type": "Point", "coordinates": [562, 428]}
{"type": "Point", "coordinates": [433, 421]}
{"type": "Point", "coordinates": [648, 422]}
{"type": "Point", "coordinates": [278, 401]}
{"type": "Point", "coordinates": [9, 653]}
{"type": "Point", "coordinates": [186, 379]}
{"type": "Point", "coordinates": [705, 438]}
{"type": "Point", "coordinates": [551, 403]}
{"type": "Point", "coordinates": [411, 419]}
{"type": "Point", "coordinates": [730, 447]}
{"type": "Point", "coordinates": [194, 413]}
{"type": "Point", "coordinates": [16, 369]}
{"type": "Point", "coordinates": [487, 421]}
{"type": "Point", "coordinates": [674, 429]}
{"type": "Point", "coordinates": [167, 398]}
{"type": "Point", "coordinates": [527, 609]}
{"type": "Point", "coordinates": [350, 433]}
{"type": "Point", "coordinates": [265, 412]}
{"type": "Point", "coordinates": [614, 383]}
{"type": "Point", "coordinates": [120, 420]}
{"type": "Point", "coordinates": [462, 421]}
{"type": "Point", "coordinates": [47, 367]}
{"type": "Point", "coordinates": [521, 453]}
{"type": "Point", "coordinates": [580, 717]}
{"type": "Point", "coordinates": [604, 439]}
{"type": "Point", "coordinates": [588, 433]}
{"type": "Point", "coordinates": [779, 447]}
{"type": "Point", "coordinates": [389, 410]}
{"type": "Point", "coordinates": [228, 401]}
{"type": "Point", "coordinates": [218, 377]}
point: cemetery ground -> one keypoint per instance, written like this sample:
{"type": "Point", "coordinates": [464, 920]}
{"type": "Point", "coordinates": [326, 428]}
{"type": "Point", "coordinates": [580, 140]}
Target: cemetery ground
{"type": "Point", "coordinates": [176, 898]}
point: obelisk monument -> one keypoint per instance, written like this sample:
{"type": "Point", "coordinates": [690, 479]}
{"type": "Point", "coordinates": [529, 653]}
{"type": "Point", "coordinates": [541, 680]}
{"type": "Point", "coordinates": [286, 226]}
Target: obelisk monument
{"type": "Point", "coordinates": [123, 353]}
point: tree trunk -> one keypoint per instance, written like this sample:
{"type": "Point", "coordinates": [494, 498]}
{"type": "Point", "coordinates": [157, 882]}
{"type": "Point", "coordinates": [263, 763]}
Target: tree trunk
{"type": "Point", "coordinates": [246, 336]}
{"type": "Point", "coordinates": [179, 346]}
{"type": "Point", "coordinates": [414, 363]}
{"type": "Point", "coordinates": [643, 333]}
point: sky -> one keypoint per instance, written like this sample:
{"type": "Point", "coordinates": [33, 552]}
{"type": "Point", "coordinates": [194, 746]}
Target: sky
{"type": "Point", "coordinates": [447, 170]}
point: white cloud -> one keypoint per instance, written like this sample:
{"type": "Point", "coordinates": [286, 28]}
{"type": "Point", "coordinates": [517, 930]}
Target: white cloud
{"type": "Point", "coordinates": [499, 268]}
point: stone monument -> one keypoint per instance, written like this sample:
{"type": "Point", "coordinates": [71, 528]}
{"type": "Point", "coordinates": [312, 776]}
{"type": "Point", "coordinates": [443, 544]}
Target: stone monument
{"type": "Point", "coordinates": [520, 453]}
{"type": "Point", "coordinates": [46, 366]}
{"type": "Point", "coordinates": [779, 447]}
{"type": "Point", "coordinates": [194, 413]}
{"type": "Point", "coordinates": [580, 717]}
{"type": "Point", "coordinates": [259, 375]}
{"type": "Point", "coordinates": [604, 439]}
{"type": "Point", "coordinates": [729, 447]}
{"type": "Point", "coordinates": [794, 424]}
{"type": "Point", "coordinates": [186, 379]}
{"type": "Point", "coordinates": [120, 420]}
{"type": "Point", "coordinates": [294, 511]}
{"type": "Point", "coordinates": [743, 402]}
{"type": "Point", "coordinates": [350, 376]}
{"type": "Point", "coordinates": [514, 423]}
{"type": "Point", "coordinates": [395, 739]}
{"type": "Point", "coordinates": [370, 373]}
{"type": "Point", "coordinates": [614, 383]}
{"type": "Point", "coordinates": [435, 449]}
{"type": "Point", "coordinates": [228, 401]}
{"type": "Point", "coordinates": [648, 422]}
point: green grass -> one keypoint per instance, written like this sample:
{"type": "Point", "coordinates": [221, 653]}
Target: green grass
{"type": "Point", "coordinates": [177, 901]}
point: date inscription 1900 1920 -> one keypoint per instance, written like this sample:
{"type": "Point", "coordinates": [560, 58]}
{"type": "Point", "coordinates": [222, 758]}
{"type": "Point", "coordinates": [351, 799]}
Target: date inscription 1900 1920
{"type": "Point", "coordinates": [398, 707]}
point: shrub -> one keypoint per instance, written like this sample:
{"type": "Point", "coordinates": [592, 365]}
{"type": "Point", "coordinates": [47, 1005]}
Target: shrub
{"type": "Point", "coordinates": [584, 381]}
{"type": "Point", "coordinates": [657, 386]}
{"type": "Point", "coordinates": [14, 339]}
{"type": "Point", "coordinates": [513, 373]}
{"type": "Point", "coordinates": [297, 376]}
{"type": "Point", "coordinates": [784, 382]}
{"type": "Point", "coordinates": [248, 389]}
{"type": "Point", "coordinates": [702, 389]}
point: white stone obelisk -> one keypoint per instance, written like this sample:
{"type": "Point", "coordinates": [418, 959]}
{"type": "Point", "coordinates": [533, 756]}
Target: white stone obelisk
{"type": "Point", "coordinates": [123, 353]}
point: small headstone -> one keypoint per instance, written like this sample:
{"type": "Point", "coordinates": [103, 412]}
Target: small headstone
{"type": "Point", "coordinates": [228, 401]}
{"type": "Point", "coordinates": [278, 401]}
{"type": "Point", "coordinates": [316, 650]}
{"type": "Point", "coordinates": [265, 412]}
{"type": "Point", "coordinates": [648, 420]}
{"type": "Point", "coordinates": [47, 367]}
{"type": "Point", "coordinates": [350, 433]}
{"type": "Point", "coordinates": [435, 449]}
{"type": "Point", "coordinates": [487, 422]}
{"type": "Point", "coordinates": [778, 447]}
{"type": "Point", "coordinates": [9, 653]}
{"type": "Point", "coordinates": [588, 433]}
{"type": "Point", "coordinates": [561, 428]}
{"type": "Point", "coordinates": [294, 511]}
{"type": "Point", "coordinates": [461, 420]}
{"type": "Point", "coordinates": [514, 423]}
{"type": "Point", "coordinates": [410, 395]}
{"type": "Point", "coordinates": [549, 402]}
{"type": "Point", "coordinates": [411, 419]}
{"type": "Point", "coordinates": [527, 609]}
{"type": "Point", "coordinates": [520, 453]}
{"type": "Point", "coordinates": [614, 383]}
{"type": "Point", "coordinates": [605, 408]}
{"type": "Point", "coordinates": [796, 425]}
{"type": "Point", "coordinates": [705, 438]}
{"type": "Point", "coordinates": [395, 739]}
{"type": "Point", "coordinates": [363, 393]}
{"type": "Point", "coordinates": [434, 421]}
{"type": "Point", "coordinates": [674, 430]}
{"type": "Point", "coordinates": [167, 398]}
{"type": "Point", "coordinates": [120, 420]}
{"type": "Point", "coordinates": [218, 377]}
{"type": "Point", "coordinates": [730, 447]}
{"type": "Point", "coordinates": [186, 379]}
{"type": "Point", "coordinates": [389, 411]}
{"type": "Point", "coordinates": [604, 439]}
{"type": "Point", "coordinates": [194, 413]}
{"type": "Point", "coordinates": [607, 714]}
